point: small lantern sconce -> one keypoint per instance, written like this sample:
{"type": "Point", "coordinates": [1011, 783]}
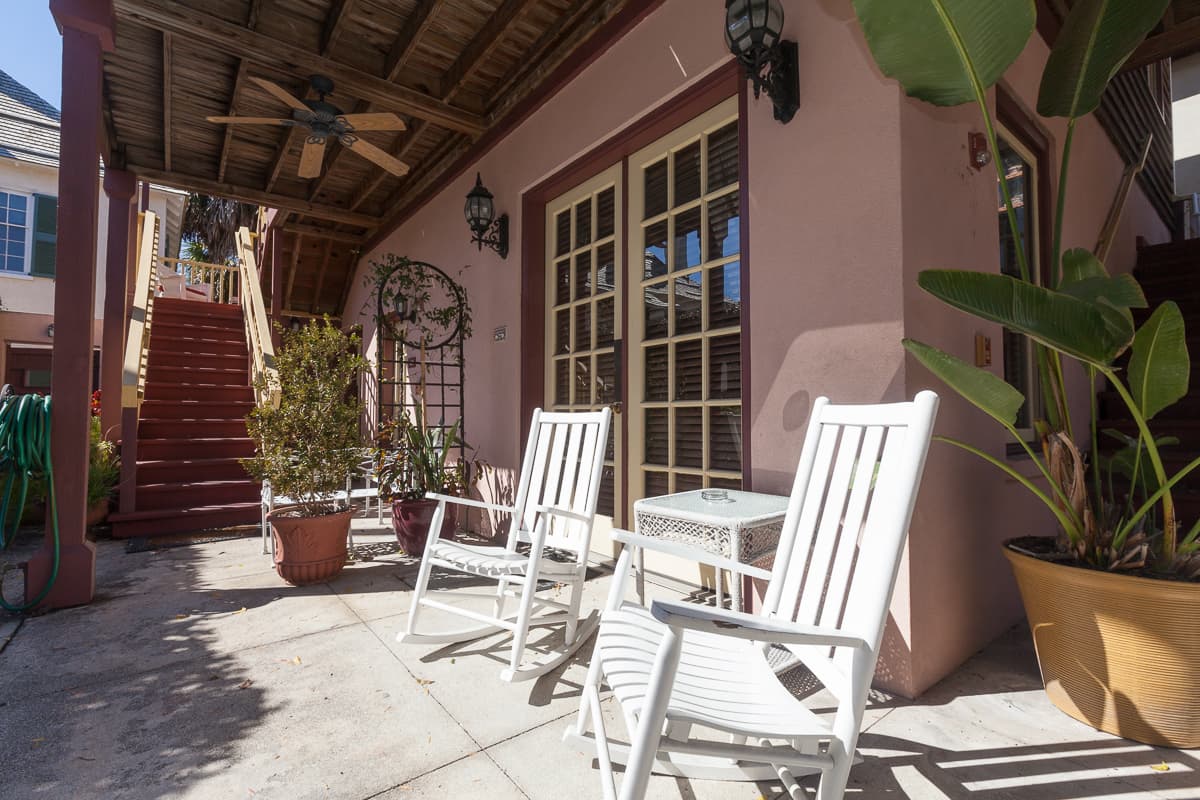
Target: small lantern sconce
{"type": "Point", "coordinates": [480, 212]}
{"type": "Point", "coordinates": [752, 32]}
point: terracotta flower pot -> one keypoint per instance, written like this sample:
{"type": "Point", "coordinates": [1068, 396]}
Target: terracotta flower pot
{"type": "Point", "coordinates": [97, 513]}
{"type": "Point", "coordinates": [1116, 652]}
{"type": "Point", "coordinates": [411, 520]}
{"type": "Point", "coordinates": [309, 549]}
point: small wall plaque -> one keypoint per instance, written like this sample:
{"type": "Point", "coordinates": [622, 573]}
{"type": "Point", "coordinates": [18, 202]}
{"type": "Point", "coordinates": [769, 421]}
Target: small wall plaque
{"type": "Point", "coordinates": [500, 334]}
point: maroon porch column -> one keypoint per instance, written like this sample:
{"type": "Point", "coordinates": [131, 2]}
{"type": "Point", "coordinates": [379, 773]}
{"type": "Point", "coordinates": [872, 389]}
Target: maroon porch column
{"type": "Point", "coordinates": [120, 187]}
{"type": "Point", "coordinates": [86, 27]}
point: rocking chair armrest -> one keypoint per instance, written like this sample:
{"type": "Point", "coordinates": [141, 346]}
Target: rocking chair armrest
{"type": "Point", "coordinates": [688, 552]}
{"type": "Point", "coordinates": [466, 501]}
{"type": "Point", "coordinates": [558, 511]}
{"type": "Point", "coordinates": [688, 616]}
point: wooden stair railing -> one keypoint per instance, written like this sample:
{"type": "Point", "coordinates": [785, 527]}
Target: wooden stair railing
{"type": "Point", "coordinates": [137, 351]}
{"type": "Point", "coordinates": [214, 283]}
{"type": "Point", "coordinates": [258, 327]}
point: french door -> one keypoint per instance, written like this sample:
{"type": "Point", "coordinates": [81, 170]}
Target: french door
{"type": "Point", "coordinates": [666, 271]}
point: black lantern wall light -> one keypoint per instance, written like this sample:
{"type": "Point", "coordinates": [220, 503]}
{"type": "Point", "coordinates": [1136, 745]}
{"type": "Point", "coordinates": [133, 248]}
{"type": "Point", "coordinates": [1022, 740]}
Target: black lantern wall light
{"type": "Point", "coordinates": [752, 31]}
{"type": "Point", "coordinates": [480, 212]}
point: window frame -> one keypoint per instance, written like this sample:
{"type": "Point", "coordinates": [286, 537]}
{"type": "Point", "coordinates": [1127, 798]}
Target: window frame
{"type": "Point", "coordinates": [1017, 127]}
{"type": "Point", "coordinates": [27, 257]}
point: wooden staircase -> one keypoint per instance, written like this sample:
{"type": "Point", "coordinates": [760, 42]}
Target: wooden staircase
{"type": "Point", "coordinates": [192, 427]}
{"type": "Point", "coordinates": [1170, 272]}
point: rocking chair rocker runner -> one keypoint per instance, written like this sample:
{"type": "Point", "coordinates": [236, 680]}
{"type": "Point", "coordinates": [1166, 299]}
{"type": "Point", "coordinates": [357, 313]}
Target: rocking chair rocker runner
{"type": "Point", "coordinates": [676, 666]}
{"type": "Point", "coordinates": [554, 509]}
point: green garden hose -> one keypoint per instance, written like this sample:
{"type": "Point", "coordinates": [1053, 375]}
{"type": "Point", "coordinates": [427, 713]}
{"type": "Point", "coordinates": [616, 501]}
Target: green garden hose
{"type": "Point", "coordinates": [25, 451]}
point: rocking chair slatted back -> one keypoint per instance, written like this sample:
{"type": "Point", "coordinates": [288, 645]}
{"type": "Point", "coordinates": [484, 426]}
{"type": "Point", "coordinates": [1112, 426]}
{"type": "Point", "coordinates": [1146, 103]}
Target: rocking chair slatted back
{"type": "Point", "coordinates": [842, 536]}
{"type": "Point", "coordinates": [562, 468]}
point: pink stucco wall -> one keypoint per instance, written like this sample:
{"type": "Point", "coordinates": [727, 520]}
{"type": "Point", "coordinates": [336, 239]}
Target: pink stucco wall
{"type": "Point", "coordinates": [846, 204]}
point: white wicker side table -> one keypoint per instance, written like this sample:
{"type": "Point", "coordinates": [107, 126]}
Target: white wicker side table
{"type": "Point", "coordinates": [744, 528]}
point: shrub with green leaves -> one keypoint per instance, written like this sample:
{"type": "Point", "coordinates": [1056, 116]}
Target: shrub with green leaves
{"type": "Point", "coordinates": [308, 445]}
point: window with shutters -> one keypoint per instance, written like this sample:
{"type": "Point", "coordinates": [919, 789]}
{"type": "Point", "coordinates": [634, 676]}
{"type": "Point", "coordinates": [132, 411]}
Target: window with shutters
{"type": "Point", "coordinates": [45, 235]}
{"type": "Point", "coordinates": [15, 235]}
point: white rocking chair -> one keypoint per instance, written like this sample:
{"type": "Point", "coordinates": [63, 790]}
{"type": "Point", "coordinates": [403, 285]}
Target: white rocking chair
{"type": "Point", "coordinates": [554, 509]}
{"type": "Point", "coordinates": [675, 666]}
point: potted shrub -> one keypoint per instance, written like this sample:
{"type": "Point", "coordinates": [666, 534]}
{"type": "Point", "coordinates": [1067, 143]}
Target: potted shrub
{"type": "Point", "coordinates": [412, 460]}
{"type": "Point", "coordinates": [104, 471]}
{"type": "Point", "coordinates": [1111, 598]}
{"type": "Point", "coordinates": [307, 446]}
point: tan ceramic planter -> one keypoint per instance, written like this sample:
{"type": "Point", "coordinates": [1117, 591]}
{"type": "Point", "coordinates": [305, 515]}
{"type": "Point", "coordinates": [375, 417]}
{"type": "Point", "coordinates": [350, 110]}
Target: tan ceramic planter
{"type": "Point", "coordinates": [1116, 652]}
{"type": "Point", "coordinates": [309, 549]}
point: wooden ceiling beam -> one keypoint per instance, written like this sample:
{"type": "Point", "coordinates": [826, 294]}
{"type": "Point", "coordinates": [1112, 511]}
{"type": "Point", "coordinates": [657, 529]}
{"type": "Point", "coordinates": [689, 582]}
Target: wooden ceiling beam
{"type": "Point", "coordinates": [297, 245]}
{"type": "Point", "coordinates": [255, 196]}
{"type": "Point", "coordinates": [208, 30]}
{"type": "Point", "coordinates": [481, 45]}
{"type": "Point", "coordinates": [341, 11]}
{"type": "Point", "coordinates": [439, 160]}
{"type": "Point", "coordinates": [252, 14]}
{"type": "Point", "coordinates": [1181, 40]}
{"type": "Point", "coordinates": [318, 232]}
{"type": "Point", "coordinates": [414, 28]}
{"type": "Point", "coordinates": [316, 301]}
{"type": "Point", "coordinates": [544, 43]}
{"type": "Point", "coordinates": [223, 163]}
{"type": "Point", "coordinates": [166, 99]}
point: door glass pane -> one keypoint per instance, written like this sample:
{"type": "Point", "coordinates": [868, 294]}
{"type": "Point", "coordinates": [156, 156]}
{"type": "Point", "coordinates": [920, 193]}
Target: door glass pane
{"type": "Point", "coordinates": [562, 233]}
{"type": "Point", "coordinates": [562, 331]}
{"type": "Point", "coordinates": [562, 382]}
{"type": "Point", "coordinates": [606, 378]}
{"type": "Point", "coordinates": [687, 303]}
{"type": "Point", "coordinates": [723, 157]}
{"type": "Point", "coordinates": [562, 282]}
{"type": "Point", "coordinates": [725, 367]}
{"type": "Point", "coordinates": [686, 482]}
{"type": "Point", "coordinates": [689, 437]}
{"type": "Point", "coordinates": [725, 438]}
{"type": "Point", "coordinates": [606, 209]}
{"type": "Point", "coordinates": [687, 174]}
{"type": "Point", "coordinates": [605, 260]}
{"type": "Point", "coordinates": [583, 224]}
{"type": "Point", "coordinates": [583, 380]}
{"type": "Point", "coordinates": [724, 296]}
{"type": "Point", "coordinates": [656, 189]}
{"type": "Point", "coordinates": [605, 322]}
{"type": "Point", "coordinates": [583, 327]}
{"type": "Point", "coordinates": [657, 484]}
{"type": "Point", "coordinates": [656, 373]}
{"type": "Point", "coordinates": [655, 302]}
{"type": "Point", "coordinates": [724, 227]}
{"type": "Point", "coordinates": [689, 369]}
{"type": "Point", "coordinates": [583, 275]}
{"type": "Point", "coordinates": [657, 447]}
{"type": "Point", "coordinates": [656, 250]}
{"type": "Point", "coordinates": [606, 495]}
{"type": "Point", "coordinates": [687, 239]}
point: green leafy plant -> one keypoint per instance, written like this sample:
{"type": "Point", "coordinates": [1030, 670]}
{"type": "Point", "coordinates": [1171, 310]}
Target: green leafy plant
{"type": "Point", "coordinates": [412, 458]}
{"type": "Point", "coordinates": [308, 445]}
{"type": "Point", "coordinates": [420, 304]}
{"type": "Point", "coordinates": [949, 52]}
{"type": "Point", "coordinates": [104, 465]}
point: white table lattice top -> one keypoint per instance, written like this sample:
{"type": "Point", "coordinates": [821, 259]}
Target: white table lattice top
{"type": "Point", "coordinates": [743, 509]}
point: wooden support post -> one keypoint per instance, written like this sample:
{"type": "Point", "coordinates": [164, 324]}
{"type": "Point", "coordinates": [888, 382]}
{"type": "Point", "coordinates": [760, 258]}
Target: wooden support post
{"type": "Point", "coordinates": [120, 187]}
{"type": "Point", "coordinates": [87, 30]}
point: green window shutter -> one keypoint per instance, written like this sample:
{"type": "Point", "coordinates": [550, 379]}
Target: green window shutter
{"type": "Point", "coordinates": [45, 235]}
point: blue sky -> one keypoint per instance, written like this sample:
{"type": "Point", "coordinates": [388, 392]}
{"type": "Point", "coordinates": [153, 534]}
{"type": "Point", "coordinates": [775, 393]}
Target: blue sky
{"type": "Point", "coordinates": [31, 49]}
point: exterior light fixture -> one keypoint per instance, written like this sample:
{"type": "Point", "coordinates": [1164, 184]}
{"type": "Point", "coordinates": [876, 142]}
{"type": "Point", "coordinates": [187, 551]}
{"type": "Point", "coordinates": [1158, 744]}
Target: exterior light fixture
{"type": "Point", "coordinates": [480, 212]}
{"type": "Point", "coordinates": [752, 31]}
{"type": "Point", "coordinates": [50, 330]}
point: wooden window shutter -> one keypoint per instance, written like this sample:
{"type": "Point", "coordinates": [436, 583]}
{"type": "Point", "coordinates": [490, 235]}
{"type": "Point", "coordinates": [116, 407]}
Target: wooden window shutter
{"type": "Point", "coordinates": [45, 235]}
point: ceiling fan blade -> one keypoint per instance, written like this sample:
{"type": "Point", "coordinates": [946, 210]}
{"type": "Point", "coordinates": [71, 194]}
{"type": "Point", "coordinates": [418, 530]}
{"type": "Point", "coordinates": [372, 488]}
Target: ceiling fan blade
{"type": "Point", "coordinates": [280, 93]}
{"type": "Point", "coordinates": [373, 153]}
{"type": "Point", "coordinates": [383, 121]}
{"type": "Point", "coordinates": [249, 120]}
{"type": "Point", "coordinates": [311, 158]}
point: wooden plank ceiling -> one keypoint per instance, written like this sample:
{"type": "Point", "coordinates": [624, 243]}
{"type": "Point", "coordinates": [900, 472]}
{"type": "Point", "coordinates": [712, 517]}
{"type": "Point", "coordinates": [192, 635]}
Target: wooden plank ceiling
{"type": "Point", "coordinates": [451, 69]}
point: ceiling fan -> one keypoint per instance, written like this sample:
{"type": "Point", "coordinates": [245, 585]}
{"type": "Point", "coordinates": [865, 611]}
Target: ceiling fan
{"type": "Point", "coordinates": [322, 121]}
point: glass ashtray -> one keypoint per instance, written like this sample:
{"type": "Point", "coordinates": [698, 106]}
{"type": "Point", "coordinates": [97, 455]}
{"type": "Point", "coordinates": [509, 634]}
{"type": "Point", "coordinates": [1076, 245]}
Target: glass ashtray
{"type": "Point", "coordinates": [715, 496]}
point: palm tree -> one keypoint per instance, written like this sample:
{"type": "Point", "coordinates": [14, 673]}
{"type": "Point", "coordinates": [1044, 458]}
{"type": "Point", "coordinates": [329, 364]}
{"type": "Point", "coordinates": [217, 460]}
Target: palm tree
{"type": "Point", "coordinates": [210, 227]}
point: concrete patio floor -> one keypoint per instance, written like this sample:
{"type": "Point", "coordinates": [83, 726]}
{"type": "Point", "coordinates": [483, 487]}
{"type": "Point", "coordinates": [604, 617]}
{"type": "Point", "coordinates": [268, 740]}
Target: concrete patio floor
{"type": "Point", "coordinates": [197, 673]}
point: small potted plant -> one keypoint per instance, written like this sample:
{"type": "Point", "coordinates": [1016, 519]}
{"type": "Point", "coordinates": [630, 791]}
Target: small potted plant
{"type": "Point", "coordinates": [412, 460]}
{"type": "Point", "coordinates": [104, 470]}
{"type": "Point", "coordinates": [307, 446]}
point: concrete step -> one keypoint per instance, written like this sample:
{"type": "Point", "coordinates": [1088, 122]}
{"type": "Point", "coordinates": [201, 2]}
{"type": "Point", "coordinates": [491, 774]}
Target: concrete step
{"type": "Point", "coordinates": [155, 522]}
{"type": "Point", "coordinates": [166, 357]}
{"type": "Point", "coordinates": [178, 448]}
{"type": "Point", "coordinates": [158, 496]}
{"type": "Point", "coordinates": [177, 393]}
{"type": "Point", "coordinates": [189, 408]}
{"type": "Point", "coordinates": [181, 470]}
{"type": "Point", "coordinates": [198, 428]}
{"type": "Point", "coordinates": [198, 376]}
